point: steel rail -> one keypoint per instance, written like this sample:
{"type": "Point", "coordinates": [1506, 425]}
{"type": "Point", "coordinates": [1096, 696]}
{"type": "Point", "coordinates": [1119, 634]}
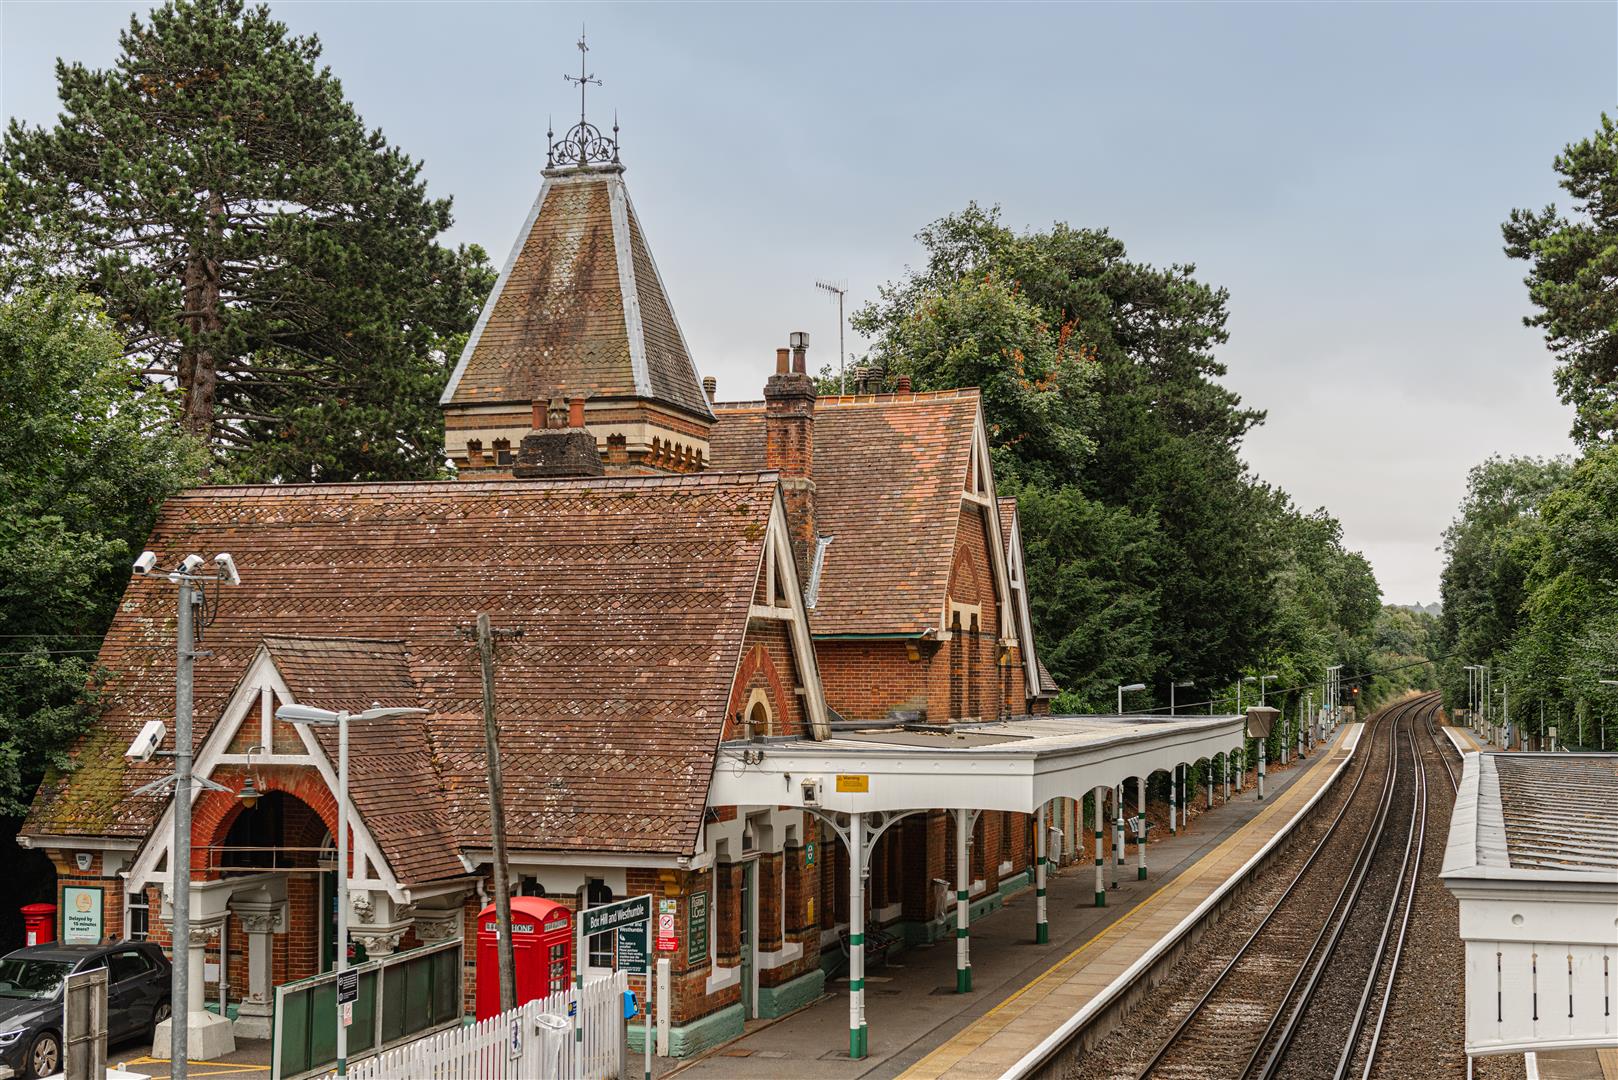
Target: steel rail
{"type": "Point", "coordinates": [1297, 879]}
{"type": "Point", "coordinates": [1398, 951]}
{"type": "Point", "coordinates": [1331, 932]}
{"type": "Point", "coordinates": [1409, 878]}
{"type": "Point", "coordinates": [1219, 980]}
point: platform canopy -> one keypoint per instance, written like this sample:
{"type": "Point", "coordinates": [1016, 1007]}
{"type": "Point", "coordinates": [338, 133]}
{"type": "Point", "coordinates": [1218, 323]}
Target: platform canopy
{"type": "Point", "coordinates": [1018, 765]}
{"type": "Point", "coordinates": [1533, 859]}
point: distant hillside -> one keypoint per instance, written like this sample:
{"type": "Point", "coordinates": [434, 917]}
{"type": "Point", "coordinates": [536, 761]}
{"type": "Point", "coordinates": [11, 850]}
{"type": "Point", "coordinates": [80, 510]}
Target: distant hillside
{"type": "Point", "coordinates": [1434, 609]}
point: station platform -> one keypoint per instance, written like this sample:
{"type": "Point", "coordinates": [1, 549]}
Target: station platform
{"type": "Point", "coordinates": [1088, 978]}
{"type": "Point", "coordinates": [920, 1027]}
{"type": "Point", "coordinates": [1463, 739]}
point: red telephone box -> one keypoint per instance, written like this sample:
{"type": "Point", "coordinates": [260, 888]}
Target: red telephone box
{"type": "Point", "coordinates": [39, 924]}
{"type": "Point", "coordinates": [542, 943]}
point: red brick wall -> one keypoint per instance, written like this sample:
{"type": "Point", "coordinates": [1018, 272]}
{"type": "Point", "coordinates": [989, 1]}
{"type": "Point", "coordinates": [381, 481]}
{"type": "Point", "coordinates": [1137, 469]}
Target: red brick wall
{"type": "Point", "coordinates": [767, 663]}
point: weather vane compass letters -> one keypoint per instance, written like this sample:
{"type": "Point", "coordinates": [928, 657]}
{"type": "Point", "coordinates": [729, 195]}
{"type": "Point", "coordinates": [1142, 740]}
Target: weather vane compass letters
{"type": "Point", "coordinates": [583, 144]}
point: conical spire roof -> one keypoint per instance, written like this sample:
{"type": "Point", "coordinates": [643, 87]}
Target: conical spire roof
{"type": "Point", "coordinates": [579, 308]}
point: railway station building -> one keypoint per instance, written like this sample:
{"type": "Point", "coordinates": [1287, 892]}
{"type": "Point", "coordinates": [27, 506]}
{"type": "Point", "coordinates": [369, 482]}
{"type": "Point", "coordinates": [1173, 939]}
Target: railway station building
{"type": "Point", "coordinates": [742, 639]}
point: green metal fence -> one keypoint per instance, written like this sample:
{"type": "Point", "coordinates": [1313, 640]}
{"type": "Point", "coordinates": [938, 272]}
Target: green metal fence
{"type": "Point", "coordinates": [401, 997]}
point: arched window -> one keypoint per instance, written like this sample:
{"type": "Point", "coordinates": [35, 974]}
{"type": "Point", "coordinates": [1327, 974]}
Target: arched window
{"type": "Point", "coordinates": [759, 720]}
{"type": "Point", "coordinates": [603, 947]}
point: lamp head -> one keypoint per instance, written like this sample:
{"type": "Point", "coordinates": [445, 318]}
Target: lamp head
{"type": "Point", "coordinates": [304, 714]}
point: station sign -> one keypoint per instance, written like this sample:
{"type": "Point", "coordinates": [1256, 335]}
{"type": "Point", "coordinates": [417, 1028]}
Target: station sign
{"type": "Point", "coordinates": [858, 783]}
{"type": "Point", "coordinates": [348, 986]}
{"type": "Point", "coordinates": [610, 917]}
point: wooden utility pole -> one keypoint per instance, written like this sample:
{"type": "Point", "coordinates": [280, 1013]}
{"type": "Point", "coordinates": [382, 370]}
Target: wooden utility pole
{"type": "Point", "coordinates": [497, 816]}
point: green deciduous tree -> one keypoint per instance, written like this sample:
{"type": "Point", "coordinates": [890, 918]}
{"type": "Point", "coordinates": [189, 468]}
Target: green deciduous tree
{"type": "Point", "coordinates": [254, 243]}
{"type": "Point", "coordinates": [88, 452]}
{"type": "Point", "coordinates": [1573, 280]}
{"type": "Point", "coordinates": [1101, 384]}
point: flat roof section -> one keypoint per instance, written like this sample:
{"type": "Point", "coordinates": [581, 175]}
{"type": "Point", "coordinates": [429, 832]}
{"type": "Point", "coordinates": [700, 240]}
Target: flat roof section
{"type": "Point", "coordinates": [1017, 764]}
{"type": "Point", "coordinates": [1528, 817]}
{"type": "Point", "coordinates": [1560, 811]}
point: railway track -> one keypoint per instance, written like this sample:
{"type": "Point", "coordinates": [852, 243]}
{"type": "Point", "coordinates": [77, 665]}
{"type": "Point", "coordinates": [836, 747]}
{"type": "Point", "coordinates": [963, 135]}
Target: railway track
{"type": "Point", "coordinates": [1307, 978]}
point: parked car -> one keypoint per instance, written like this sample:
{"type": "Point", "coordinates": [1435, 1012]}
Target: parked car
{"type": "Point", "coordinates": [31, 998]}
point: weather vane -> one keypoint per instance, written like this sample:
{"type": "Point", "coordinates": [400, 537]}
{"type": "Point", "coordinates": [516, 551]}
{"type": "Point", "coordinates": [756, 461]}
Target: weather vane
{"type": "Point", "coordinates": [584, 143]}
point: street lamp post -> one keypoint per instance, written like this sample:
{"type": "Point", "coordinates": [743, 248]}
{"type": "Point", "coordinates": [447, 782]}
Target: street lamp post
{"type": "Point", "coordinates": [306, 714]}
{"type": "Point", "coordinates": [1242, 772]}
{"type": "Point", "coordinates": [1122, 690]}
{"type": "Point", "coordinates": [1602, 726]}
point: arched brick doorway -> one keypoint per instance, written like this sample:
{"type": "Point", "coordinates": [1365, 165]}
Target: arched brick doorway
{"type": "Point", "coordinates": [279, 850]}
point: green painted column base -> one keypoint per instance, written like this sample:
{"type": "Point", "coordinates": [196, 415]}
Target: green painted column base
{"type": "Point", "coordinates": [1042, 933]}
{"type": "Point", "coordinates": [791, 996]}
{"type": "Point", "coordinates": [858, 1042]}
{"type": "Point", "coordinates": [1140, 874]}
{"type": "Point", "coordinates": [963, 980]}
{"type": "Point", "coordinates": [693, 1038]}
{"type": "Point", "coordinates": [1101, 899]}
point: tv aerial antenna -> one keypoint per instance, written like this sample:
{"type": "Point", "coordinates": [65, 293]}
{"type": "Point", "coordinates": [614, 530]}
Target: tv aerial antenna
{"type": "Point", "coordinates": [839, 290]}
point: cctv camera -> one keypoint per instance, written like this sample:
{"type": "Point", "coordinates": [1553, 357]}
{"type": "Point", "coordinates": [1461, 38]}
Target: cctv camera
{"type": "Point", "coordinates": [146, 743]}
{"type": "Point", "coordinates": [144, 564]}
{"type": "Point", "coordinates": [191, 564]}
{"type": "Point", "coordinates": [227, 568]}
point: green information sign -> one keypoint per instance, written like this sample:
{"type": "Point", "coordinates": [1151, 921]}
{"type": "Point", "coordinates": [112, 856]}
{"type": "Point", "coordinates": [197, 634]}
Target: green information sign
{"type": "Point", "coordinates": [600, 920]}
{"type": "Point", "coordinates": [632, 949]}
{"type": "Point", "coordinates": [696, 926]}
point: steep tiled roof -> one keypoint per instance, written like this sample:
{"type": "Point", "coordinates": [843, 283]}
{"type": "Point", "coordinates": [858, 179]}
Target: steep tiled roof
{"type": "Point", "coordinates": [889, 471]}
{"type": "Point", "coordinates": [1047, 681]}
{"type": "Point", "coordinates": [579, 308]}
{"type": "Point", "coordinates": [397, 791]}
{"type": "Point", "coordinates": [1007, 508]}
{"type": "Point", "coordinates": [632, 594]}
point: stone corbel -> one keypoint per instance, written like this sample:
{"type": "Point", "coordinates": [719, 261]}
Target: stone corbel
{"type": "Point", "coordinates": [203, 933]}
{"type": "Point", "coordinates": [435, 926]}
{"type": "Point", "coordinates": [379, 941]}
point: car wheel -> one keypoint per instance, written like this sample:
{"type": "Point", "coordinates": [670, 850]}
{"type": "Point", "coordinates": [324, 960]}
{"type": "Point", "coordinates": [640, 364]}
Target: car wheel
{"type": "Point", "coordinates": [160, 1013]}
{"type": "Point", "coordinates": [44, 1055]}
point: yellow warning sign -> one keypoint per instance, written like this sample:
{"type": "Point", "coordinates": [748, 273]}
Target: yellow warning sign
{"type": "Point", "coordinates": [851, 782]}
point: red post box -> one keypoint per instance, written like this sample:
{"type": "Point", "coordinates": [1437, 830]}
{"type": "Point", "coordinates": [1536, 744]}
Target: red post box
{"type": "Point", "coordinates": [542, 943]}
{"type": "Point", "coordinates": [39, 924]}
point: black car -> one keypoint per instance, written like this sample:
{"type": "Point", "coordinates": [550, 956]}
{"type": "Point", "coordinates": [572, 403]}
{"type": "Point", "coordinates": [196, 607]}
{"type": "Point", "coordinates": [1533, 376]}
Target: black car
{"type": "Point", "coordinates": [31, 998]}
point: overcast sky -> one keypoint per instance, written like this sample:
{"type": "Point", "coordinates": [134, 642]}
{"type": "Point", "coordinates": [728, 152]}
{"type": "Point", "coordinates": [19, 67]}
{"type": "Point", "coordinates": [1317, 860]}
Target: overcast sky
{"type": "Point", "coordinates": [1343, 170]}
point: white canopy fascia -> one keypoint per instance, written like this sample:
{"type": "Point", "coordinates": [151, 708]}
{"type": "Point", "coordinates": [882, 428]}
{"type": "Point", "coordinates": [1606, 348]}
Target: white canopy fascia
{"type": "Point", "coordinates": [1033, 762]}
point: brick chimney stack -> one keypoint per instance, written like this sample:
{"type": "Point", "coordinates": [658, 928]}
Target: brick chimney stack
{"type": "Point", "coordinates": [559, 446]}
{"type": "Point", "coordinates": [789, 445]}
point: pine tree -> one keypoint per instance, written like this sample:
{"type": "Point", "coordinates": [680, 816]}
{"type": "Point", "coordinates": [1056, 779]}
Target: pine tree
{"type": "Point", "coordinates": [254, 243]}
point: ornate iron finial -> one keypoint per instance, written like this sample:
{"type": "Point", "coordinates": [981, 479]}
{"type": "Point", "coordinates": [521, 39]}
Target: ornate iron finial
{"type": "Point", "coordinates": [584, 143]}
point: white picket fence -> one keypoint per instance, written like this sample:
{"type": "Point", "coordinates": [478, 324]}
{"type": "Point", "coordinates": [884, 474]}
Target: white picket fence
{"type": "Point", "coordinates": [518, 1045]}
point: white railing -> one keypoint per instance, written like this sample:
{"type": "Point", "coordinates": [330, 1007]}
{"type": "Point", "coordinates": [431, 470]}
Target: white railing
{"type": "Point", "coordinates": [535, 1041]}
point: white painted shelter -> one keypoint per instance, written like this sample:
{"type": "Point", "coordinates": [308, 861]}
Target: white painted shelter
{"type": "Point", "coordinates": [1533, 860]}
{"type": "Point", "coordinates": [863, 781]}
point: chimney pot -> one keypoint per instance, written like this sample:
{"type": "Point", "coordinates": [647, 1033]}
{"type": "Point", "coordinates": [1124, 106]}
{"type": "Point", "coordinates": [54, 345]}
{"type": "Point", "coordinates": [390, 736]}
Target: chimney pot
{"type": "Point", "coordinates": [904, 384]}
{"type": "Point", "coordinates": [575, 412]}
{"type": "Point", "coordinates": [782, 361]}
{"type": "Point", "coordinates": [800, 350]}
{"type": "Point", "coordinates": [539, 414]}
{"type": "Point", "coordinates": [710, 387]}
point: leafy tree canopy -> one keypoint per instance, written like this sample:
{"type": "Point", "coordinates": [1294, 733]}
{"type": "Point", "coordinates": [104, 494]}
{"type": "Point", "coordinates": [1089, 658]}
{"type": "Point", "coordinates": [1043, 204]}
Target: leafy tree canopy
{"type": "Point", "coordinates": [1573, 280]}
{"type": "Point", "coordinates": [1150, 546]}
{"type": "Point", "coordinates": [255, 245]}
{"type": "Point", "coordinates": [87, 455]}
